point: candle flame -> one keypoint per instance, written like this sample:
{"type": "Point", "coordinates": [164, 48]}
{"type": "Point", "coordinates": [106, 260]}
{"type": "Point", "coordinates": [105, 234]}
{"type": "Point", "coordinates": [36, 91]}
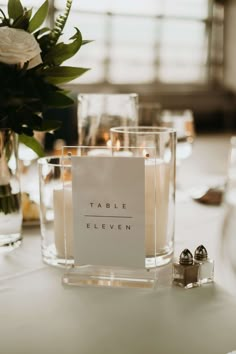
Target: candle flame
{"type": "Point", "coordinates": [117, 145]}
{"type": "Point", "coordinates": [109, 143]}
{"type": "Point", "coordinates": [145, 153]}
{"type": "Point", "coordinates": [106, 136]}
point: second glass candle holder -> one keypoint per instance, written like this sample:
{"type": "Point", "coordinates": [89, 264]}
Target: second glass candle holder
{"type": "Point", "coordinates": [160, 210]}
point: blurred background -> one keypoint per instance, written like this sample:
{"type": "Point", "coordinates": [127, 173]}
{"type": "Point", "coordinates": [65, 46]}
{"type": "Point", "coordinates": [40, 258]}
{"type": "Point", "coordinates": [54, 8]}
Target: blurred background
{"type": "Point", "coordinates": [181, 54]}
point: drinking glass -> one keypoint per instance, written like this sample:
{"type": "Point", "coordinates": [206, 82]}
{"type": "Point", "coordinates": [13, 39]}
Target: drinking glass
{"type": "Point", "coordinates": [97, 113]}
{"type": "Point", "coordinates": [149, 113]}
{"type": "Point", "coordinates": [163, 143]}
{"type": "Point", "coordinates": [183, 123]}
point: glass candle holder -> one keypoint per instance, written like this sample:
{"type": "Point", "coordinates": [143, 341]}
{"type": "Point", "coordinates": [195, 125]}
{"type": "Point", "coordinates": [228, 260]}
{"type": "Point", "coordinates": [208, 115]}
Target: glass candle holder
{"type": "Point", "coordinates": [97, 113]}
{"type": "Point", "coordinates": [228, 242]}
{"type": "Point", "coordinates": [160, 210]}
{"type": "Point", "coordinates": [109, 217]}
{"type": "Point", "coordinates": [56, 210]}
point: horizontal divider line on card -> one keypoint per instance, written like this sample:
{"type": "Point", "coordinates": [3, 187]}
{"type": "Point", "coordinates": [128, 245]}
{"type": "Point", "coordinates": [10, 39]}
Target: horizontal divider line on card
{"type": "Point", "coordinates": [109, 216]}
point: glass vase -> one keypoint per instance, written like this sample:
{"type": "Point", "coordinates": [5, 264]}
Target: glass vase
{"type": "Point", "coordinates": [10, 197]}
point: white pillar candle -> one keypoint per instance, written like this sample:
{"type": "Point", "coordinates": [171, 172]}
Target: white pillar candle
{"type": "Point", "coordinates": [123, 153]}
{"type": "Point", "coordinates": [99, 152]}
{"type": "Point", "coordinates": [156, 211]}
{"type": "Point", "coordinates": [157, 176]}
{"type": "Point", "coordinates": [63, 221]}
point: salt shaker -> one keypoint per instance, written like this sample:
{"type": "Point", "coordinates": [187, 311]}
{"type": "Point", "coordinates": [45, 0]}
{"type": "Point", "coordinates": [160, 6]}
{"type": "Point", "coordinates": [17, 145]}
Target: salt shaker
{"type": "Point", "coordinates": [185, 272]}
{"type": "Point", "coordinates": [206, 265]}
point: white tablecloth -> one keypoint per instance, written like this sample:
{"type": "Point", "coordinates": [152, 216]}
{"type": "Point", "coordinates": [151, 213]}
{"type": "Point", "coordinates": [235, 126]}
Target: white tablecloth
{"type": "Point", "coordinates": [39, 315]}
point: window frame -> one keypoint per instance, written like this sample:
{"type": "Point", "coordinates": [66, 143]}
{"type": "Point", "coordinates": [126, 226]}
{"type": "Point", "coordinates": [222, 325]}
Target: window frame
{"type": "Point", "coordinates": [214, 67]}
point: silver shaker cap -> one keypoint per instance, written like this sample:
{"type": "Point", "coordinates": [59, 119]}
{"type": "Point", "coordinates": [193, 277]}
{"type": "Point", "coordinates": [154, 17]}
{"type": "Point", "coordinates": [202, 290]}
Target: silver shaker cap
{"type": "Point", "coordinates": [200, 253]}
{"type": "Point", "coordinates": [186, 257]}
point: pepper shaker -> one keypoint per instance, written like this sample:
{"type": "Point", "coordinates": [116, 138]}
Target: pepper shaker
{"type": "Point", "coordinates": [206, 265]}
{"type": "Point", "coordinates": [185, 272]}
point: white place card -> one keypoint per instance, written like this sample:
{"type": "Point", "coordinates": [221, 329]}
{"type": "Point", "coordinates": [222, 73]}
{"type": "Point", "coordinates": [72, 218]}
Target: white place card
{"type": "Point", "coordinates": [109, 211]}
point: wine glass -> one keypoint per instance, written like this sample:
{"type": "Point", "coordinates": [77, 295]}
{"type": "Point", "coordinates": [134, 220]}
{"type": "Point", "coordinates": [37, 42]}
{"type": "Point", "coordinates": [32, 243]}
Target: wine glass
{"type": "Point", "coordinates": [183, 123]}
{"type": "Point", "coordinates": [149, 113]}
{"type": "Point", "coordinates": [97, 113]}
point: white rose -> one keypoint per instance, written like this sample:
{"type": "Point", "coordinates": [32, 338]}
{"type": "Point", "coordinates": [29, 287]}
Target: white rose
{"type": "Point", "coordinates": [18, 46]}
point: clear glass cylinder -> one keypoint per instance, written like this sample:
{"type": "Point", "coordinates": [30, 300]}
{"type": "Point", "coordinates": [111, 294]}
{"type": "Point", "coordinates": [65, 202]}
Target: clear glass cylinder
{"type": "Point", "coordinates": [10, 197]}
{"type": "Point", "coordinates": [160, 210]}
{"type": "Point", "coordinates": [230, 191]}
{"type": "Point", "coordinates": [109, 242]}
{"type": "Point", "coordinates": [229, 202]}
{"type": "Point", "coordinates": [97, 113]}
{"type": "Point", "coordinates": [56, 210]}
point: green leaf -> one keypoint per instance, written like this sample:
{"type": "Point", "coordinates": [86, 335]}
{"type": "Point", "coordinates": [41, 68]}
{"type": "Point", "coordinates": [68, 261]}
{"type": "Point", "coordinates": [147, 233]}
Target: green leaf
{"type": "Point", "coordinates": [30, 119]}
{"type": "Point", "coordinates": [62, 51]}
{"type": "Point", "coordinates": [4, 16]}
{"type": "Point", "coordinates": [59, 25]}
{"type": "Point", "coordinates": [60, 74]}
{"type": "Point", "coordinates": [49, 125]}
{"type": "Point", "coordinates": [15, 9]}
{"type": "Point", "coordinates": [86, 41]}
{"type": "Point", "coordinates": [28, 14]}
{"type": "Point", "coordinates": [38, 17]}
{"type": "Point", "coordinates": [77, 35]}
{"type": "Point", "coordinates": [27, 131]}
{"type": "Point", "coordinates": [41, 31]}
{"type": "Point", "coordinates": [32, 143]}
{"type": "Point", "coordinates": [57, 99]}
{"type": "Point", "coordinates": [22, 22]}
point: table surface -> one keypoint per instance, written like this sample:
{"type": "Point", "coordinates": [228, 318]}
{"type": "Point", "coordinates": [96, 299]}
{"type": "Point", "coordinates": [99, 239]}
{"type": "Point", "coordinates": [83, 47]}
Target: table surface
{"type": "Point", "coordinates": [40, 315]}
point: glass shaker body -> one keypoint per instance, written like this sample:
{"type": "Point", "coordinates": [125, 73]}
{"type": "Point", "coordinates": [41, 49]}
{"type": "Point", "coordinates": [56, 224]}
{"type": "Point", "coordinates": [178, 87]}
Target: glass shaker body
{"type": "Point", "coordinates": [206, 271]}
{"type": "Point", "coordinates": [186, 276]}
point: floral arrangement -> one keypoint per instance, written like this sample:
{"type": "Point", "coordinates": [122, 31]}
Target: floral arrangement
{"type": "Point", "coordinates": [30, 69]}
{"type": "Point", "coordinates": [30, 72]}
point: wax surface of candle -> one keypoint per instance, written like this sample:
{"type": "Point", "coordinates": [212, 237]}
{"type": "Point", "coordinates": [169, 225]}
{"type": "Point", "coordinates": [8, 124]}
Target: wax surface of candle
{"type": "Point", "coordinates": [63, 224]}
{"type": "Point", "coordinates": [99, 152]}
{"type": "Point", "coordinates": [123, 153]}
{"type": "Point", "coordinates": [157, 178]}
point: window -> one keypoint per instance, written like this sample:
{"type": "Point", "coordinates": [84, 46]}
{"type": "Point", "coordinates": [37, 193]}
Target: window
{"type": "Point", "coordinates": [147, 42]}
